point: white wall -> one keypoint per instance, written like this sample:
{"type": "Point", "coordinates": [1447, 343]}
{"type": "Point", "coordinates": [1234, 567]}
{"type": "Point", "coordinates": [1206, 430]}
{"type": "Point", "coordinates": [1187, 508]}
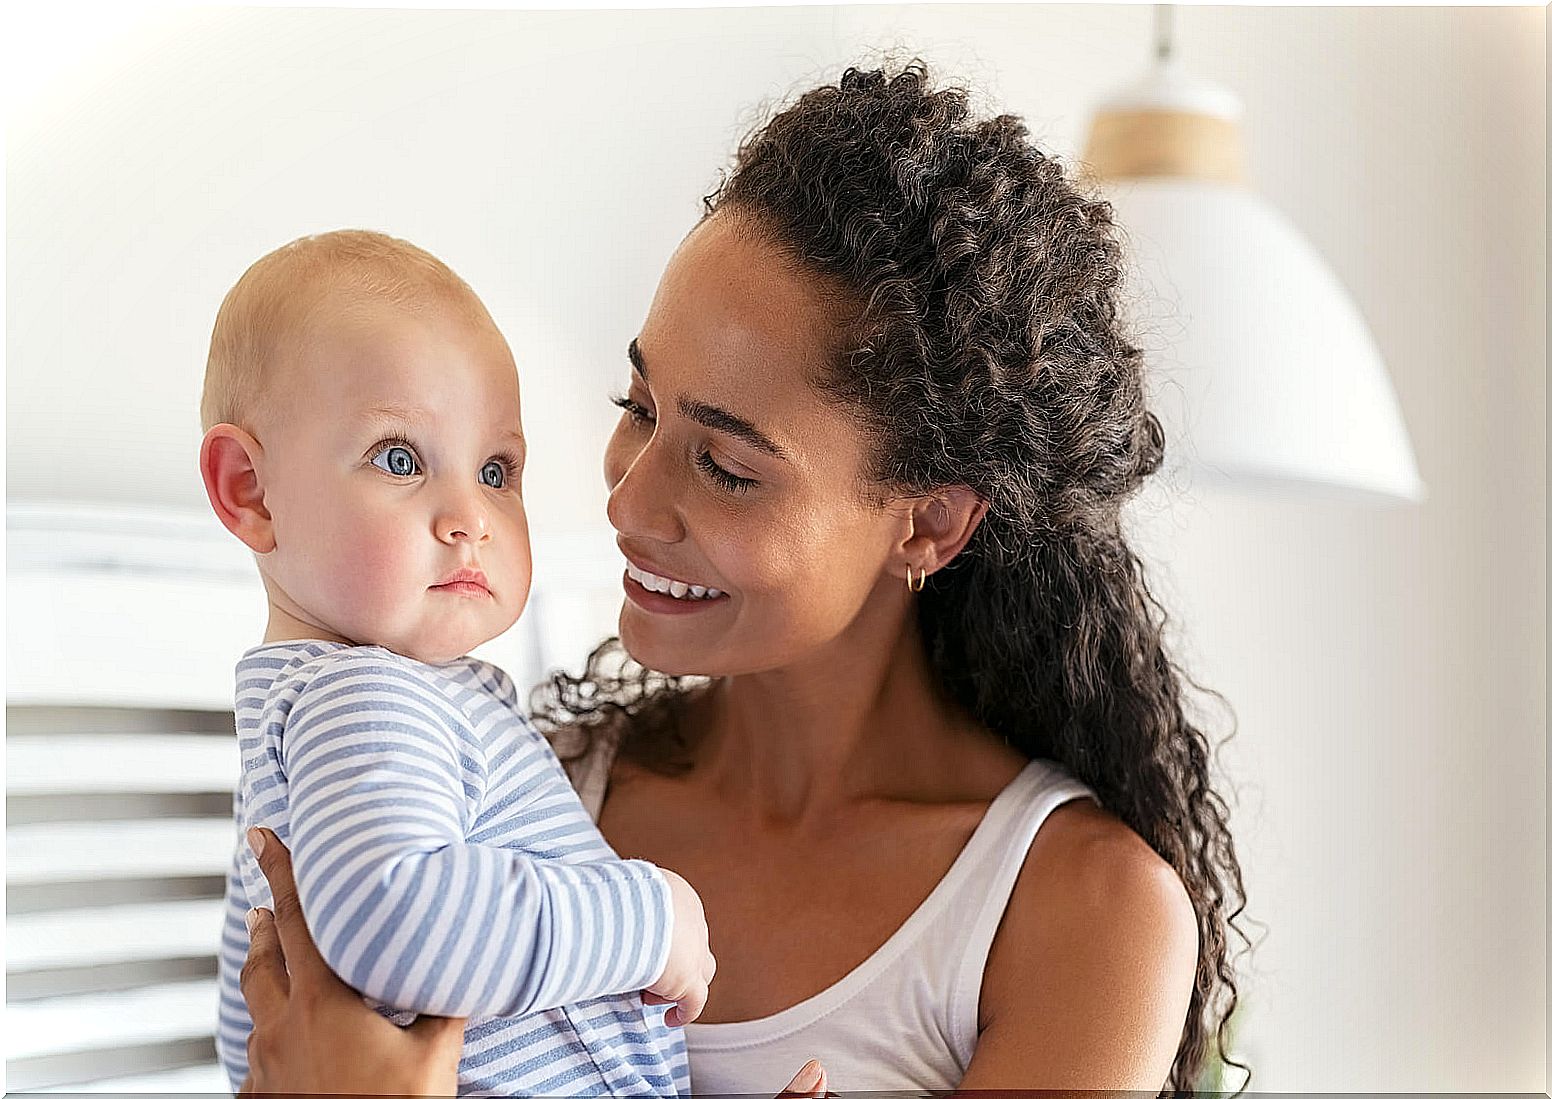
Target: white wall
{"type": "Point", "coordinates": [1387, 666]}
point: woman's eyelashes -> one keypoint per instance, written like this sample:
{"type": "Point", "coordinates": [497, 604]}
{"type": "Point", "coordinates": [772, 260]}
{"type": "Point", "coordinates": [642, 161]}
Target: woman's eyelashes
{"type": "Point", "coordinates": [398, 458]}
{"type": "Point", "coordinates": [728, 480]}
{"type": "Point", "coordinates": [723, 478]}
{"type": "Point", "coordinates": [634, 409]}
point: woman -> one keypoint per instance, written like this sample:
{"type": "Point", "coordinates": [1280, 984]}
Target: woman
{"type": "Point", "coordinates": [910, 727]}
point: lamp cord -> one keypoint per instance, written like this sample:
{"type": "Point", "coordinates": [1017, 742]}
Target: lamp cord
{"type": "Point", "coordinates": [1163, 32]}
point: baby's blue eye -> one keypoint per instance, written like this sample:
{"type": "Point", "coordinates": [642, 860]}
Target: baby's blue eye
{"type": "Point", "coordinates": [398, 460]}
{"type": "Point", "coordinates": [494, 475]}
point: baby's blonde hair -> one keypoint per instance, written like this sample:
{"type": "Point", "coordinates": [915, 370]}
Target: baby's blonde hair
{"type": "Point", "coordinates": [272, 302]}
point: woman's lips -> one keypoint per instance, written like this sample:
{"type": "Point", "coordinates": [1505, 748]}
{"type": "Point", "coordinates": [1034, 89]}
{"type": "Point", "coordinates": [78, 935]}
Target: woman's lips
{"type": "Point", "coordinates": [668, 585]}
{"type": "Point", "coordinates": [664, 603]}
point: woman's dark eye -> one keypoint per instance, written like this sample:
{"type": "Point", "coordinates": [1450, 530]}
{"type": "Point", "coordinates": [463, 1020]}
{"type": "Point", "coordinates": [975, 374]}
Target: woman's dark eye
{"type": "Point", "coordinates": [494, 474]}
{"type": "Point", "coordinates": [397, 460]}
{"type": "Point", "coordinates": [633, 409]}
{"type": "Point", "coordinates": [730, 481]}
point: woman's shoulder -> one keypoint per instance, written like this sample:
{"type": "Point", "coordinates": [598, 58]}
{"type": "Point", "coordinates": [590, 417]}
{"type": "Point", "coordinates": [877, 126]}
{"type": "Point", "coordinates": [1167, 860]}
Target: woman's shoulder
{"type": "Point", "coordinates": [1092, 898]}
{"type": "Point", "coordinates": [1088, 865]}
{"type": "Point", "coordinates": [1089, 849]}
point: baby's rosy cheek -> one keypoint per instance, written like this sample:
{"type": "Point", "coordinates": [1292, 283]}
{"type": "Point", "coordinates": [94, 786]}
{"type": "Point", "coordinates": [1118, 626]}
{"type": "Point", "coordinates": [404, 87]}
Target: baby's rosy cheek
{"type": "Point", "coordinates": [375, 567]}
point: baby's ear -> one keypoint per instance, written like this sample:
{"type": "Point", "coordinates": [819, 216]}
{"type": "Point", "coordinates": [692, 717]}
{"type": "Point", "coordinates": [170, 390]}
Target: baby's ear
{"type": "Point", "coordinates": [228, 462]}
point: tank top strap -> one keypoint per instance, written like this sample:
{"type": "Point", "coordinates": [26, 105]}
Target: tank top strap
{"type": "Point", "coordinates": [587, 757]}
{"type": "Point", "coordinates": [999, 849]}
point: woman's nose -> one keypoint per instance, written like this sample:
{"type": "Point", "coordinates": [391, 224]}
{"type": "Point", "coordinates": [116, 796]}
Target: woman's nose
{"type": "Point", "coordinates": [641, 496]}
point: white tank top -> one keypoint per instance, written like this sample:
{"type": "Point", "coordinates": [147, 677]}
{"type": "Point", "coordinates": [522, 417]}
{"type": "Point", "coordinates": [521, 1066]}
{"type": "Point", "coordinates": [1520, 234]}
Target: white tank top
{"type": "Point", "coordinates": [905, 1019]}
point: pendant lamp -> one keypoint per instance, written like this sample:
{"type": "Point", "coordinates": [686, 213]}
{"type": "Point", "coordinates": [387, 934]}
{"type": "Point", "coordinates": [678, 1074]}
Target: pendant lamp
{"type": "Point", "coordinates": [1268, 375]}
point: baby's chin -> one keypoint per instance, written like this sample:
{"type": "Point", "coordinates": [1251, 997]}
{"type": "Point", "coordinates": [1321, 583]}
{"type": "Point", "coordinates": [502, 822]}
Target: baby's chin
{"type": "Point", "coordinates": [439, 653]}
{"type": "Point", "coordinates": [447, 646]}
{"type": "Point", "coordinates": [433, 656]}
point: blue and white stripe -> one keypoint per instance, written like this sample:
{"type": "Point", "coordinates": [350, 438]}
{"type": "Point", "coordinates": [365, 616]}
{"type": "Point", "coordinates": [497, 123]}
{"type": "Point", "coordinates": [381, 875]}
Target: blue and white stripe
{"type": "Point", "coordinates": [447, 867]}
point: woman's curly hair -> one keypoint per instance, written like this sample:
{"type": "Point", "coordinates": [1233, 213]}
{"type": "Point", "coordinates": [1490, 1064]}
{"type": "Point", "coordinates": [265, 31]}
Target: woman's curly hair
{"type": "Point", "coordinates": [988, 353]}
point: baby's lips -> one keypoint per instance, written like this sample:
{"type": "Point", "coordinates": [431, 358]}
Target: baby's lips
{"type": "Point", "coordinates": [466, 574]}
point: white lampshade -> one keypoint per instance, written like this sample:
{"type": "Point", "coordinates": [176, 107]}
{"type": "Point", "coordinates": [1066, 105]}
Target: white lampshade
{"type": "Point", "coordinates": [1264, 371]}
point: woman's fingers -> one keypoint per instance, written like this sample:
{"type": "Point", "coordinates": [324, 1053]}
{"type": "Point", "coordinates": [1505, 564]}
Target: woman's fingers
{"type": "Point", "coordinates": [809, 1082]}
{"type": "Point", "coordinates": [263, 978]}
{"type": "Point", "coordinates": [296, 941]}
{"type": "Point", "coordinates": [688, 1007]}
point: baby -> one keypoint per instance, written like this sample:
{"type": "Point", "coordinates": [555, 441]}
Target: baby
{"type": "Point", "coordinates": [363, 439]}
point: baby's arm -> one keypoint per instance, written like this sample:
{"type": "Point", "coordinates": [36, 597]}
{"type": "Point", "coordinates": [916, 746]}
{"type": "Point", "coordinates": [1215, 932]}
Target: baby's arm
{"type": "Point", "coordinates": [402, 907]}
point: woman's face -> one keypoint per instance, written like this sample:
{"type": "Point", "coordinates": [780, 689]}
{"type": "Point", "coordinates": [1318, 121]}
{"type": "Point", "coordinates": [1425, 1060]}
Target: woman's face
{"type": "Point", "coordinates": [730, 475]}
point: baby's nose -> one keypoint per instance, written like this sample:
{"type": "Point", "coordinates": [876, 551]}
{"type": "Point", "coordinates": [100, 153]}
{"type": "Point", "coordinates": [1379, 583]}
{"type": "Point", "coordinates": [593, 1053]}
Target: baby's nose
{"type": "Point", "coordinates": [470, 525]}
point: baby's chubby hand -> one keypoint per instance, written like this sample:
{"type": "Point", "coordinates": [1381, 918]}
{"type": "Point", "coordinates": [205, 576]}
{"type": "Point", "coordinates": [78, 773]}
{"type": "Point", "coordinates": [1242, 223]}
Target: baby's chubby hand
{"type": "Point", "coordinates": [690, 964]}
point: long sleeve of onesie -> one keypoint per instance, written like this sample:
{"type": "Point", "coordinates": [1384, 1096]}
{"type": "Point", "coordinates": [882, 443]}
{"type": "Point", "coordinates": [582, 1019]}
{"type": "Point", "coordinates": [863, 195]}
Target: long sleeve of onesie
{"type": "Point", "coordinates": [384, 773]}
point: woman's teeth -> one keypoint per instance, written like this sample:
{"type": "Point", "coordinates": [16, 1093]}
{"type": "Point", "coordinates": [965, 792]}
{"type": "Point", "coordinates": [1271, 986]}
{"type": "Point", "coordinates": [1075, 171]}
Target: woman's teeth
{"type": "Point", "coordinates": [676, 588]}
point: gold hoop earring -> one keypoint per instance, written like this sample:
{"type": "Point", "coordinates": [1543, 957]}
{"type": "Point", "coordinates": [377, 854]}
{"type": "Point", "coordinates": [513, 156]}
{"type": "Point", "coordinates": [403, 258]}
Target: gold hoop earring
{"type": "Point", "coordinates": [917, 584]}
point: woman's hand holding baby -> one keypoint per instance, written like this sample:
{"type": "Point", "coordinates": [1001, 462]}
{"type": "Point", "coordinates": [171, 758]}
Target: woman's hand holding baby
{"type": "Point", "coordinates": [312, 1034]}
{"type": "Point", "coordinates": [690, 967]}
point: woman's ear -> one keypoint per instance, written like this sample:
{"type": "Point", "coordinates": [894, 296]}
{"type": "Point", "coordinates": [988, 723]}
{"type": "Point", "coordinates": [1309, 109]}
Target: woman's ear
{"type": "Point", "coordinates": [940, 526]}
{"type": "Point", "coordinates": [229, 463]}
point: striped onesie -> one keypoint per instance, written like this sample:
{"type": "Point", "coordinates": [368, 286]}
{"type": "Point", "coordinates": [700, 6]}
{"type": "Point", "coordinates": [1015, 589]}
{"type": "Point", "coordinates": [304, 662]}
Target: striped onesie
{"type": "Point", "coordinates": [447, 867]}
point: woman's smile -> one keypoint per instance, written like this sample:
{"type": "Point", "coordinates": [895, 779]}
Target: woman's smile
{"type": "Point", "coordinates": [679, 589]}
{"type": "Point", "coordinates": [660, 595]}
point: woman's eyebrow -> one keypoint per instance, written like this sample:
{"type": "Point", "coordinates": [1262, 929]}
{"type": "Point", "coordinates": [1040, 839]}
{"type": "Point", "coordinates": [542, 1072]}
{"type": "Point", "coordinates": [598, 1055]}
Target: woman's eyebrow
{"type": "Point", "coordinates": [720, 419]}
{"type": "Point", "coordinates": [709, 415]}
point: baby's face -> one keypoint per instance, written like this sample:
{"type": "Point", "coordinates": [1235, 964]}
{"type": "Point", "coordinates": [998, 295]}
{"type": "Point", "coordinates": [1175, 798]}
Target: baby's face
{"type": "Point", "coordinates": [392, 470]}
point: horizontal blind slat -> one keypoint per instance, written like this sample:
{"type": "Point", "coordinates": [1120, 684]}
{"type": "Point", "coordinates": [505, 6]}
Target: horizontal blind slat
{"type": "Point", "coordinates": [109, 1020]}
{"type": "Point", "coordinates": [108, 936]}
{"type": "Point", "coordinates": [63, 1070]}
{"type": "Point", "coordinates": [99, 763]}
{"type": "Point", "coordinates": [86, 850]}
{"type": "Point", "coordinates": [206, 1079]}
